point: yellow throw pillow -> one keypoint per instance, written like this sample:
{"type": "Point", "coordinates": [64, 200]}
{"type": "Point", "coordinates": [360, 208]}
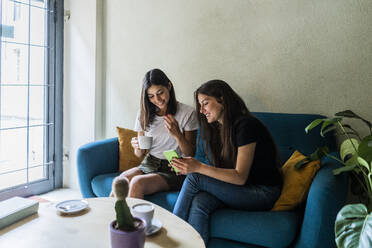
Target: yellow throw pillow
{"type": "Point", "coordinates": [296, 182]}
{"type": "Point", "coordinates": [127, 159]}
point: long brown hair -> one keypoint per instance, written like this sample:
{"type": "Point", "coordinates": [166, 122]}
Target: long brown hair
{"type": "Point", "coordinates": [148, 110]}
{"type": "Point", "coordinates": [219, 137]}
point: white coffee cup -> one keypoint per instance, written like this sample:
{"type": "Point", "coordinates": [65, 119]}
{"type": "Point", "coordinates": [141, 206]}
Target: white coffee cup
{"type": "Point", "coordinates": [144, 142]}
{"type": "Point", "coordinates": [144, 211]}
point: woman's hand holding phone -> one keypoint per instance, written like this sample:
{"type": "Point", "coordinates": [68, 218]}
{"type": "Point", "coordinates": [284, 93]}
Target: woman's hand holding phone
{"type": "Point", "coordinates": [169, 155]}
{"type": "Point", "coordinates": [186, 165]}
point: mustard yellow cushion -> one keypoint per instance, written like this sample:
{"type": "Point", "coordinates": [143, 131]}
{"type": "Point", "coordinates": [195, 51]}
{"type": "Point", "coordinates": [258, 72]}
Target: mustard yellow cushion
{"type": "Point", "coordinates": [296, 182]}
{"type": "Point", "coordinates": [127, 159]}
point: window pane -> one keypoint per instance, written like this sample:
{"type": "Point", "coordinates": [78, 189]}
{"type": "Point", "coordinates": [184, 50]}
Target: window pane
{"type": "Point", "coordinates": [13, 179]}
{"type": "Point", "coordinates": [13, 156]}
{"type": "Point", "coordinates": [37, 22]}
{"type": "Point", "coordinates": [28, 50]}
{"type": "Point", "coordinates": [36, 109]}
{"type": "Point", "coordinates": [13, 106]}
{"type": "Point", "coordinates": [15, 18]}
{"type": "Point", "coordinates": [22, 1]}
{"type": "Point", "coordinates": [37, 173]}
{"type": "Point", "coordinates": [14, 64]}
{"type": "Point", "coordinates": [36, 149]}
{"type": "Point", "coordinates": [39, 3]}
{"type": "Point", "coordinates": [37, 65]}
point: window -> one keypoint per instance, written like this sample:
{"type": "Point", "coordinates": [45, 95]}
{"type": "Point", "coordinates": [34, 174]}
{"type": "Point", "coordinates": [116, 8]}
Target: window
{"type": "Point", "coordinates": [30, 96]}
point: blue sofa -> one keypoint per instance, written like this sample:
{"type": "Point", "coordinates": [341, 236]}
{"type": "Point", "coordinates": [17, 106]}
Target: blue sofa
{"type": "Point", "coordinates": [311, 225]}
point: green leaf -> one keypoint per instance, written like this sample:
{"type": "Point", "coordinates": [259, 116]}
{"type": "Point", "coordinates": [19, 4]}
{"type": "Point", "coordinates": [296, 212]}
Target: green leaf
{"type": "Point", "coordinates": [328, 122]}
{"type": "Point", "coordinates": [347, 126]}
{"type": "Point", "coordinates": [313, 124]}
{"type": "Point", "coordinates": [365, 148]}
{"type": "Point", "coordinates": [364, 163]}
{"type": "Point", "coordinates": [353, 227]}
{"type": "Point", "coordinates": [300, 163]}
{"type": "Point", "coordinates": [347, 113]}
{"type": "Point", "coordinates": [351, 114]}
{"type": "Point", "coordinates": [344, 169]}
{"type": "Point", "coordinates": [317, 155]}
{"type": "Point", "coordinates": [353, 160]}
{"type": "Point", "coordinates": [329, 129]}
{"type": "Point", "coordinates": [347, 147]}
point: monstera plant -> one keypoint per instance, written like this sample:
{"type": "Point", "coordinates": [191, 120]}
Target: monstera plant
{"type": "Point", "coordinates": [353, 227]}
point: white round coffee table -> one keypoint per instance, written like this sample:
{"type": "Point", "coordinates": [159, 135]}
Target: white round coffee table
{"type": "Point", "coordinates": [49, 229]}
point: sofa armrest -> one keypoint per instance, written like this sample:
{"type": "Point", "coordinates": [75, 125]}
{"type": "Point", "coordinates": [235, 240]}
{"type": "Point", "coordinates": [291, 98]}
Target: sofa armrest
{"type": "Point", "coordinates": [96, 158]}
{"type": "Point", "coordinates": [326, 197]}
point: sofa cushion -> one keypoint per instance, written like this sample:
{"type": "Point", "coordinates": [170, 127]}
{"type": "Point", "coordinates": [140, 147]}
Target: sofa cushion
{"type": "Point", "coordinates": [288, 131]}
{"type": "Point", "coordinates": [127, 159]}
{"type": "Point", "coordinates": [326, 197]}
{"type": "Point", "coordinates": [268, 229]}
{"type": "Point", "coordinates": [224, 243]}
{"type": "Point", "coordinates": [166, 200]}
{"type": "Point", "coordinates": [101, 185]}
{"type": "Point", "coordinates": [296, 182]}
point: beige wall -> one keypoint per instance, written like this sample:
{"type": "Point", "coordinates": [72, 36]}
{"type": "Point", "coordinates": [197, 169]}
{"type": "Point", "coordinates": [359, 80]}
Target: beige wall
{"type": "Point", "coordinates": [294, 56]}
{"type": "Point", "coordinates": [82, 81]}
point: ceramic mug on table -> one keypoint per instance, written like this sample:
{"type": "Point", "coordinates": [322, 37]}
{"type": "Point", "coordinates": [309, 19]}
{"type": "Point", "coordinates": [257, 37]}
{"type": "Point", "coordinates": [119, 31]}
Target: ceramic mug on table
{"type": "Point", "coordinates": [144, 142]}
{"type": "Point", "coordinates": [144, 211]}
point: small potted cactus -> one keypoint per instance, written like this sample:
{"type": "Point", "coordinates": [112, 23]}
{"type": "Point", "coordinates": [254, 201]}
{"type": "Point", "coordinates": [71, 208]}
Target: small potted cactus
{"type": "Point", "coordinates": [126, 231]}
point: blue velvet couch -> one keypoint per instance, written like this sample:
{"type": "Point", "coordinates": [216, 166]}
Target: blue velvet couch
{"type": "Point", "coordinates": [311, 225]}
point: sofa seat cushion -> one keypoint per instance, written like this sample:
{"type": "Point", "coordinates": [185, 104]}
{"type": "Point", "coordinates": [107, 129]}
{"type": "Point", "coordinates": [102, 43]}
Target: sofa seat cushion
{"type": "Point", "coordinates": [101, 185]}
{"type": "Point", "coordinates": [166, 200]}
{"type": "Point", "coordinates": [268, 229]}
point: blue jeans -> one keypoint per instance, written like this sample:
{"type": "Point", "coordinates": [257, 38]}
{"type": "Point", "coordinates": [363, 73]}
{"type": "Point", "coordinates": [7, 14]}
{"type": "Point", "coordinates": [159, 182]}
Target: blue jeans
{"type": "Point", "coordinates": [201, 195]}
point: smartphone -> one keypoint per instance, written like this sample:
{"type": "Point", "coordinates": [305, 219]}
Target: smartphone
{"type": "Point", "coordinates": [170, 154]}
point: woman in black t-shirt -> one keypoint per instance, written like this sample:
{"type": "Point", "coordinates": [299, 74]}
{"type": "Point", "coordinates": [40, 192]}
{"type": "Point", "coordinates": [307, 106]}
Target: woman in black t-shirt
{"type": "Point", "coordinates": [245, 172]}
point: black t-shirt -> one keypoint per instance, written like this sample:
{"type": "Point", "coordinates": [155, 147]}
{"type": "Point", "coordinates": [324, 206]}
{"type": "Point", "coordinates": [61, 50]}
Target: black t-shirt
{"type": "Point", "coordinates": [265, 168]}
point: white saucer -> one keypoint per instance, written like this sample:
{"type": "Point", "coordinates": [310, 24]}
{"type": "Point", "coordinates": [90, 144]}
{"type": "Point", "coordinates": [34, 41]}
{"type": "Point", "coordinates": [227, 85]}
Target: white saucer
{"type": "Point", "coordinates": [155, 227]}
{"type": "Point", "coordinates": [72, 206]}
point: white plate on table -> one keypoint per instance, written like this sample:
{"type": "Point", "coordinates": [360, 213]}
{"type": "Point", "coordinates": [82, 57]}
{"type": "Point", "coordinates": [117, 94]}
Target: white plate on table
{"type": "Point", "coordinates": [72, 206]}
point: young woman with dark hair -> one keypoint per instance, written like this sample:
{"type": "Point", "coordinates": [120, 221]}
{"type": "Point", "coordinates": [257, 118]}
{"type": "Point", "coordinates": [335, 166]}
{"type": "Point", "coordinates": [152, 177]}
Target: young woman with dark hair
{"type": "Point", "coordinates": [245, 162]}
{"type": "Point", "coordinates": [172, 125]}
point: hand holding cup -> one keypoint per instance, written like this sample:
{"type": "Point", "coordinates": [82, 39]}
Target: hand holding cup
{"type": "Point", "coordinates": [144, 142]}
{"type": "Point", "coordinates": [134, 143]}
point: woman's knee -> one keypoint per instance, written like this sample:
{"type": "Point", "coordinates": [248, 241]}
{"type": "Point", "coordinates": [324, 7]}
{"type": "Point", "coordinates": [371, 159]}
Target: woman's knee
{"type": "Point", "coordinates": [196, 181]}
{"type": "Point", "coordinates": [204, 203]}
{"type": "Point", "coordinates": [193, 178]}
{"type": "Point", "coordinates": [200, 203]}
{"type": "Point", "coordinates": [129, 174]}
{"type": "Point", "coordinates": [137, 184]}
